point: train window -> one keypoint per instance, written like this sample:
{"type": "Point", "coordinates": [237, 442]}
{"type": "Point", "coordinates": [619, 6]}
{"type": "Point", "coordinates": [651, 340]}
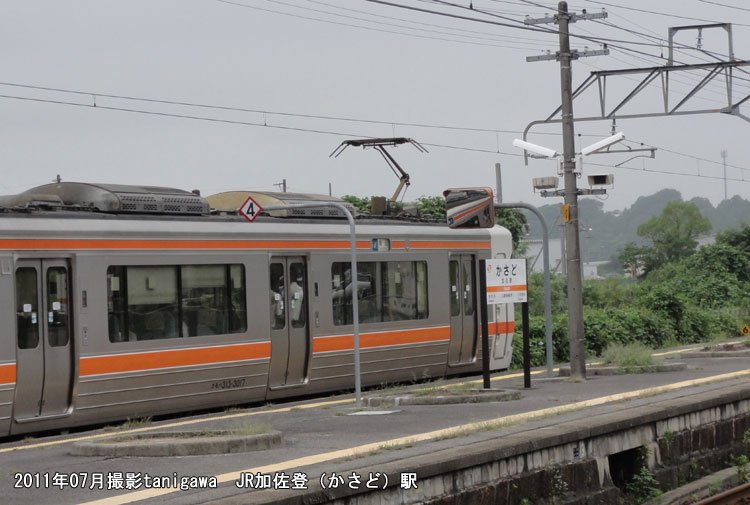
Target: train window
{"type": "Point", "coordinates": [238, 307]}
{"type": "Point", "coordinates": [422, 309]}
{"type": "Point", "coordinates": [388, 291]}
{"type": "Point", "coordinates": [152, 302]}
{"type": "Point", "coordinates": [27, 311]}
{"type": "Point", "coordinates": [341, 278]}
{"type": "Point", "coordinates": [278, 310]}
{"type": "Point", "coordinates": [455, 291]}
{"type": "Point", "coordinates": [58, 326]}
{"type": "Point", "coordinates": [468, 288]}
{"type": "Point", "coordinates": [205, 300]}
{"type": "Point", "coordinates": [297, 299]}
{"type": "Point", "coordinates": [117, 304]}
{"type": "Point", "coordinates": [156, 302]}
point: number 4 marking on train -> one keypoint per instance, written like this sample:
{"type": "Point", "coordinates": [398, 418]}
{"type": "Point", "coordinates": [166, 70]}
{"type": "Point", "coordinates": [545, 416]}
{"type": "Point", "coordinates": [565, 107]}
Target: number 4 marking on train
{"type": "Point", "coordinates": [250, 209]}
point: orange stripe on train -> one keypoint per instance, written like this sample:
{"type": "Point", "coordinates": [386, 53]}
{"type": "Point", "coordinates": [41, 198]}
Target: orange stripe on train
{"type": "Point", "coordinates": [89, 244]}
{"type": "Point", "coordinates": [435, 244]}
{"type": "Point", "coordinates": [173, 358]}
{"type": "Point", "coordinates": [176, 244]}
{"type": "Point", "coordinates": [8, 373]}
{"type": "Point", "coordinates": [398, 337]}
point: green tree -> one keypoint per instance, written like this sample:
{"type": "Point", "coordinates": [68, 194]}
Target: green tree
{"type": "Point", "coordinates": [739, 238]}
{"type": "Point", "coordinates": [673, 233]}
{"type": "Point", "coordinates": [361, 204]}
{"type": "Point", "coordinates": [515, 221]}
{"type": "Point", "coordinates": [432, 205]}
{"type": "Point", "coordinates": [632, 256]}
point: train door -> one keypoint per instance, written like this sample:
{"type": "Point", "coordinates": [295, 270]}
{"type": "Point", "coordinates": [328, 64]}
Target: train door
{"type": "Point", "coordinates": [44, 352]}
{"type": "Point", "coordinates": [289, 321]}
{"type": "Point", "coordinates": [463, 312]}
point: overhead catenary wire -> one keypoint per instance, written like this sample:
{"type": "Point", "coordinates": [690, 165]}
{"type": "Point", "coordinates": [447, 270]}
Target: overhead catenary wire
{"type": "Point", "coordinates": [345, 134]}
{"type": "Point", "coordinates": [647, 11]}
{"type": "Point", "coordinates": [493, 36]}
{"type": "Point", "coordinates": [594, 38]}
{"type": "Point", "coordinates": [266, 112]}
{"type": "Point", "coordinates": [382, 30]}
{"type": "Point", "coordinates": [599, 40]}
{"type": "Point", "coordinates": [724, 5]}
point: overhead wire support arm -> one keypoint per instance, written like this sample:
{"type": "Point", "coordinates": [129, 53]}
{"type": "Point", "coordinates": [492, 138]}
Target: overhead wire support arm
{"type": "Point", "coordinates": [574, 55]}
{"type": "Point", "coordinates": [572, 17]}
{"type": "Point", "coordinates": [713, 70]}
{"type": "Point", "coordinates": [599, 78]}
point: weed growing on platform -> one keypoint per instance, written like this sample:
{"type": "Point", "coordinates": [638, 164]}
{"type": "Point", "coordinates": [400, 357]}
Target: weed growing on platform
{"type": "Point", "coordinates": [247, 429]}
{"type": "Point", "coordinates": [387, 447]}
{"type": "Point", "coordinates": [629, 356]}
{"type": "Point", "coordinates": [462, 432]}
{"type": "Point", "coordinates": [387, 388]}
{"type": "Point", "coordinates": [746, 343]}
{"type": "Point", "coordinates": [136, 422]}
{"type": "Point", "coordinates": [397, 447]}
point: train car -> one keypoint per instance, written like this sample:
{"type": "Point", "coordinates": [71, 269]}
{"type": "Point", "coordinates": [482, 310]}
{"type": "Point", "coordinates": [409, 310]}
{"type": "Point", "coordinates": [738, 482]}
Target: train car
{"type": "Point", "coordinates": [125, 301]}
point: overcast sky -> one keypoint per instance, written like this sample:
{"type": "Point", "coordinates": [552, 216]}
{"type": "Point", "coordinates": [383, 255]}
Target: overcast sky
{"type": "Point", "coordinates": [384, 68]}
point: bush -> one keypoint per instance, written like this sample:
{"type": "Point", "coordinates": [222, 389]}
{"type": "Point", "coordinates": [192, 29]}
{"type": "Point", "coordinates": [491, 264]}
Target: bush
{"type": "Point", "coordinates": [558, 294]}
{"type": "Point", "coordinates": [537, 343]}
{"type": "Point", "coordinates": [662, 298]}
{"type": "Point", "coordinates": [603, 327]}
{"type": "Point", "coordinates": [613, 292]}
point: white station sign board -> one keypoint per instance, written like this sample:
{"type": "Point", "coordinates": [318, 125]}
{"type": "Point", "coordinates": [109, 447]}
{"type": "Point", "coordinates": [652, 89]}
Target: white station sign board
{"type": "Point", "coordinates": [506, 281]}
{"type": "Point", "coordinates": [250, 209]}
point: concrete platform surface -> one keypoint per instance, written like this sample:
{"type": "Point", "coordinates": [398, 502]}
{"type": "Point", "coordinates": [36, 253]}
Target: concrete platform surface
{"type": "Point", "coordinates": [322, 442]}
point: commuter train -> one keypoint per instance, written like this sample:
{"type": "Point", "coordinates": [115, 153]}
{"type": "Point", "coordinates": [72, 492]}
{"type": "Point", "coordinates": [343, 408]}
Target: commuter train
{"type": "Point", "coordinates": [127, 301]}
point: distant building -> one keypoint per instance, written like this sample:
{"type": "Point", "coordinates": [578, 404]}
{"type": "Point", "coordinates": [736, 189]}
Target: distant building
{"type": "Point", "coordinates": [536, 261]}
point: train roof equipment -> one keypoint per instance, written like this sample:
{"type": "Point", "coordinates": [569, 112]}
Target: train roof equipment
{"type": "Point", "coordinates": [380, 145]}
{"type": "Point", "coordinates": [110, 198]}
{"type": "Point", "coordinates": [230, 201]}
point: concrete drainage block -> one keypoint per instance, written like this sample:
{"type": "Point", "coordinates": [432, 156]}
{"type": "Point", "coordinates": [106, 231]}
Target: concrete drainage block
{"type": "Point", "coordinates": [191, 443]}
{"type": "Point", "coordinates": [564, 371]}
{"type": "Point", "coordinates": [444, 397]}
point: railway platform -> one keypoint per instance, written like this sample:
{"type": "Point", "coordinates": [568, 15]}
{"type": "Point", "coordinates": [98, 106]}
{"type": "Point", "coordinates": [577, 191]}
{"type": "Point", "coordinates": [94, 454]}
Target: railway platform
{"type": "Point", "coordinates": [581, 436]}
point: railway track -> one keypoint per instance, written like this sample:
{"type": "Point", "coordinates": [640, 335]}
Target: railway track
{"type": "Point", "coordinates": [736, 496]}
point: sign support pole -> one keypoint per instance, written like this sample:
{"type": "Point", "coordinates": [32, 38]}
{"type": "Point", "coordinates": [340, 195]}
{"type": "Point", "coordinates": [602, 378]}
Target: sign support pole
{"type": "Point", "coordinates": [355, 290]}
{"type": "Point", "coordinates": [485, 324]}
{"type": "Point", "coordinates": [526, 345]}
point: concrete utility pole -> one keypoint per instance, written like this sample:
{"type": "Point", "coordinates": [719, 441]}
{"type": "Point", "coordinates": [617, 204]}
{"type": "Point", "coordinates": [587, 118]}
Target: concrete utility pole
{"type": "Point", "coordinates": [572, 238]}
{"type": "Point", "coordinates": [570, 193]}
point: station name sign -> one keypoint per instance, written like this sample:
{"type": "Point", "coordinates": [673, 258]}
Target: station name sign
{"type": "Point", "coordinates": [506, 281]}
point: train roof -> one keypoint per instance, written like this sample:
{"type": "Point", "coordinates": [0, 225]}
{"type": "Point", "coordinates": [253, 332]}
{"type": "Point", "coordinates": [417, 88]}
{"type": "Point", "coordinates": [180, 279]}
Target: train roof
{"type": "Point", "coordinates": [118, 202]}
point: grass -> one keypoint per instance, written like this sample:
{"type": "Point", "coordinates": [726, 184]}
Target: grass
{"type": "Point", "coordinates": [438, 386]}
{"type": "Point", "coordinates": [248, 429]}
{"type": "Point", "coordinates": [136, 422]}
{"type": "Point", "coordinates": [631, 355]}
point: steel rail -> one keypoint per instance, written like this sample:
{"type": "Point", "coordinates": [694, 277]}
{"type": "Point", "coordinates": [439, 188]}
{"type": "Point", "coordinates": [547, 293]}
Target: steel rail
{"type": "Point", "coordinates": [734, 496]}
